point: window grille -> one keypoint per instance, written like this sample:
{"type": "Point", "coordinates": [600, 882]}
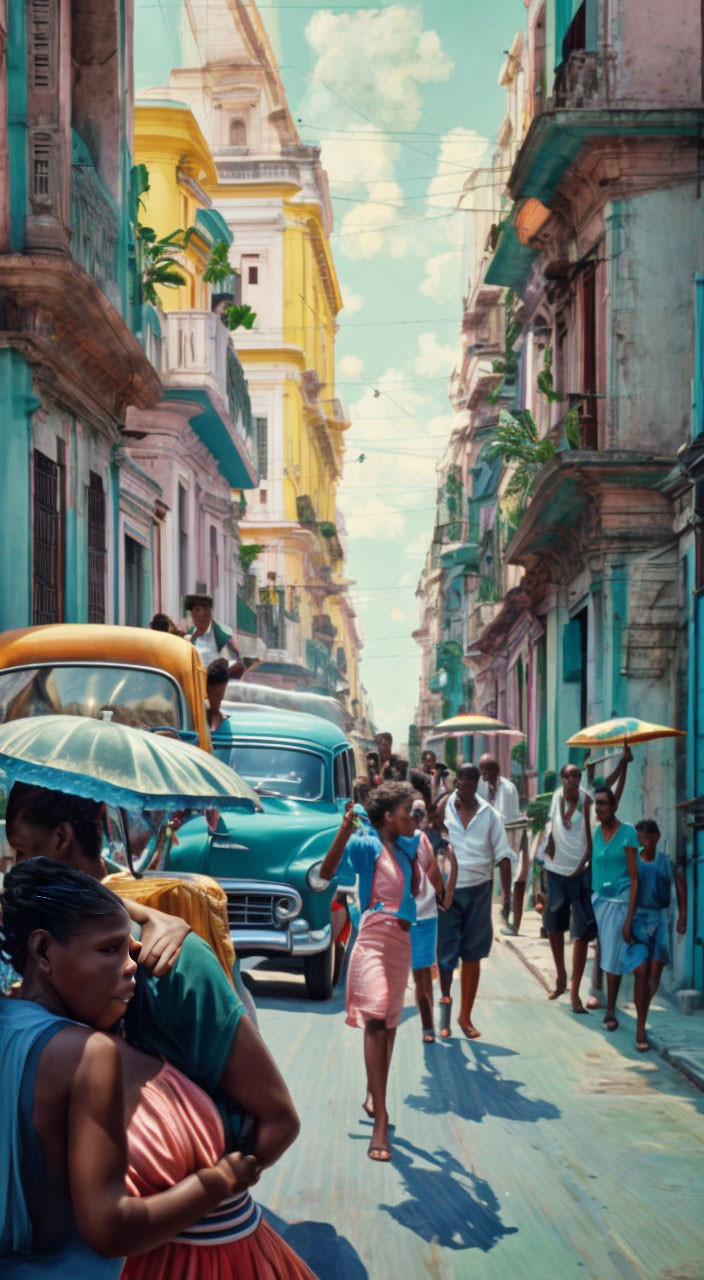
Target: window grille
{"type": "Point", "coordinates": [45, 569]}
{"type": "Point", "coordinates": [97, 550]}
{"type": "Point", "coordinates": [261, 440]}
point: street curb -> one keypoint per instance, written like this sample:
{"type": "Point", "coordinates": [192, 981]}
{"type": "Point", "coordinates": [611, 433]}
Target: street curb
{"type": "Point", "coordinates": [507, 941]}
{"type": "Point", "coordinates": [692, 1072]}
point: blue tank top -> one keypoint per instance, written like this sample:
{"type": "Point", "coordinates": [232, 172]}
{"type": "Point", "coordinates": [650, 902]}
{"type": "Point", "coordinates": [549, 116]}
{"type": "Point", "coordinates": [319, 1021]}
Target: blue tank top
{"type": "Point", "coordinates": [25, 1029]}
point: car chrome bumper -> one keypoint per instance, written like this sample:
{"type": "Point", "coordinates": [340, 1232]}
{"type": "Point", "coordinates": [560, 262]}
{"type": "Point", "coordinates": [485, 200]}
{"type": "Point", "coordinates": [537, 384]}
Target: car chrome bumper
{"type": "Point", "coordinates": [298, 941]}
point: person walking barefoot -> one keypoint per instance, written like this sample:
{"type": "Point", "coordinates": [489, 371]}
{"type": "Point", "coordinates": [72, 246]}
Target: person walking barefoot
{"type": "Point", "coordinates": [385, 857]}
{"type": "Point", "coordinates": [569, 903]}
{"type": "Point", "coordinates": [650, 948]}
{"type": "Point", "coordinates": [465, 931]}
{"type": "Point", "coordinates": [424, 933]}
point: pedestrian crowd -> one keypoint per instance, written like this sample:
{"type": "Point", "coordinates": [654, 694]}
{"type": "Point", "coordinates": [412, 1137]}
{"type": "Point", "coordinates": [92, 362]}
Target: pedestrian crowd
{"type": "Point", "coordinates": [141, 1103]}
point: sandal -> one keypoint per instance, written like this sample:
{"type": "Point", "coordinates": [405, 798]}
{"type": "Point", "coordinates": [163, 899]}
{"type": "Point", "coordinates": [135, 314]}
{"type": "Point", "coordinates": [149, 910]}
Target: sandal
{"type": "Point", "coordinates": [610, 1022]}
{"type": "Point", "coordinates": [445, 1017]}
{"type": "Point", "coordinates": [428, 1035]}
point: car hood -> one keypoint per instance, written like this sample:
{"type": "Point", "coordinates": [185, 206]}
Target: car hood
{"type": "Point", "coordinates": [282, 842]}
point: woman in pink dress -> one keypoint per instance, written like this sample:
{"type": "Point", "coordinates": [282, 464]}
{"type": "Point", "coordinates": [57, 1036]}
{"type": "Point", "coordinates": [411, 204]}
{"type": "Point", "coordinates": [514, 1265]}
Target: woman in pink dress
{"type": "Point", "coordinates": [384, 855]}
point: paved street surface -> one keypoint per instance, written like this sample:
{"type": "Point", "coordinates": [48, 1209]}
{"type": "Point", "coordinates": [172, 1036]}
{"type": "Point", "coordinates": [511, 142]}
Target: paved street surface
{"type": "Point", "coordinates": [546, 1149]}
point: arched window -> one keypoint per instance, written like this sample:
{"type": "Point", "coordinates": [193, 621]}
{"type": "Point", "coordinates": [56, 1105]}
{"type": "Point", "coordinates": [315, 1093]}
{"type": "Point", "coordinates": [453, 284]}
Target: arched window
{"type": "Point", "coordinates": [238, 132]}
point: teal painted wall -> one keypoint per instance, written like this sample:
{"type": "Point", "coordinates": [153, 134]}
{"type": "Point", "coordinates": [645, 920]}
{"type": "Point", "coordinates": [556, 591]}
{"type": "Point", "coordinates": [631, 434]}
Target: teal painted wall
{"type": "Point", "coordinates": [17, 120]}
{"type": "Point", "coordinates": [17, 404]}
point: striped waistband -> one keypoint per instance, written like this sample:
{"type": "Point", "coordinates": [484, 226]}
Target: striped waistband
{"type": "Point", "coordinates": [232, 1220]}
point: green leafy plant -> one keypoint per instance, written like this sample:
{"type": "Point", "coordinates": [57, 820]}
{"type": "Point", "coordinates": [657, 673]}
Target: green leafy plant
{"type": "Point", "coordinates": [155, 256]}
{"type": "Point", "coordinates": [219, 267]}
{"type": "Point", "coordinates": [572, 429]}
{"type": "Point", "coordinates": [327, 529]}
{"type": "Point", "coordinates": [249, 553]}
{"type": "Point", "coordinates": [545, 383]}
{"type": "Point", "coordinates": [518, 441]}
{"type": "Point", "coordinates": [538, 811]}
{"type": "Point", "coordinates": [238, 316]}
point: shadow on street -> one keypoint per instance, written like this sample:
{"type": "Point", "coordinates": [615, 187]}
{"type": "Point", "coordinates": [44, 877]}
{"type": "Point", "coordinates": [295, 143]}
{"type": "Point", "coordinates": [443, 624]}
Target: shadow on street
{"type": "Point", "coordinates": [464, 1082]}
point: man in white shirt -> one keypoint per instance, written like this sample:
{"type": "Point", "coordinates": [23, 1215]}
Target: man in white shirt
{"type": "Point", "coordinates": [569, 906]}
{"type": "Point", "coordinates": [209, 637]}
{"type": "Point", "coordinates": [477, 835]}
{"type": "Point", "coordinates": [503, 795]}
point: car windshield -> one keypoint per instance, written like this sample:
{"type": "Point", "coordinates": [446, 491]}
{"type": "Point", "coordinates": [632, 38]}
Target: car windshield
{"type": "Point", "coordinates": [287, 771]}
{"type": "Point", "coordinates": [126, 695]}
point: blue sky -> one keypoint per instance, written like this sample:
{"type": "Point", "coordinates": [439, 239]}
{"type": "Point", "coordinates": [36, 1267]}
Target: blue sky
{"type": "Point", "coordinates": [404, 100]}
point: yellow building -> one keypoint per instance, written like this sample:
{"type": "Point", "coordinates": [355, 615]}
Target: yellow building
{"type": "Point", "coordinates": [272, 192]}
{"type": "Point", "coordinates": [195, 445]}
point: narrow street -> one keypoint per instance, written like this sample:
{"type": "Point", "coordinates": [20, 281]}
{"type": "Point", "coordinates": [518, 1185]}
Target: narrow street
{"type": "Point", "coordinates": [547, 1148]}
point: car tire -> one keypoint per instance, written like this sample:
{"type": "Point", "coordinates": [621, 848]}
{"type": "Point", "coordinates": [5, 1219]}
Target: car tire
{"type": "Point", "coordinates": [318, 971]}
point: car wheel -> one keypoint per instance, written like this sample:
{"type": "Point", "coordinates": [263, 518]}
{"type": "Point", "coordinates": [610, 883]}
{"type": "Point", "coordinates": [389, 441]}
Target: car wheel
{"type": "Point", "coordinates": [319, 973]}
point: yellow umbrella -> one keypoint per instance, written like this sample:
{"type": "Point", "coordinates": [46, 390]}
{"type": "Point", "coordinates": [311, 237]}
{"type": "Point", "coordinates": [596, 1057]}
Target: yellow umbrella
{"type": "Point", "coordinates": [622, 731]}
{"type": "Point", "coordinates": [466, 723]}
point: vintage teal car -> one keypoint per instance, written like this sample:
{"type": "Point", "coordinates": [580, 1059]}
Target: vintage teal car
{"type": "Point", "coordinates": [268, 863]}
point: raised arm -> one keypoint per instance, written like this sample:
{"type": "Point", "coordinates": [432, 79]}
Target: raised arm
{"type": "Point", "coordinates": [110, 1220]}
{"type": "Point", "coordinates": [333, 857]}
{"type": "Point", "coordinates": [617, 779]}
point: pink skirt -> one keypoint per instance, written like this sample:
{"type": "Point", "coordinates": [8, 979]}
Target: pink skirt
{"type": "Point", "coordinates": [378, 972]}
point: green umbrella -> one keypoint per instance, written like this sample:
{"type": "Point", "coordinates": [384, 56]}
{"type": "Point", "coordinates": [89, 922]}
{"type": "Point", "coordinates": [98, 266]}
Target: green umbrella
{"type": "Point", "coordinates": [103, 760]}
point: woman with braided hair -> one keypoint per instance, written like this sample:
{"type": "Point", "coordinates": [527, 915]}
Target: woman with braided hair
{"type": "Point", "coordinates": [69, 1090]}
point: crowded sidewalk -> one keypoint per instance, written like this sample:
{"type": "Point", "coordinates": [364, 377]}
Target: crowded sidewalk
{"type": "Point", "coordinates": [677, 1036]}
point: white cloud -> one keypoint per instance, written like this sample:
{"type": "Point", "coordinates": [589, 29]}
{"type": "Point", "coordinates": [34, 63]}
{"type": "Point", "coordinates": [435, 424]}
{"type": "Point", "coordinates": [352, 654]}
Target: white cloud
{"type": "Point", "coordinates": [383, 224]}
{"type": "Point", "coordinates": [358, 152]}
{"type": "Point", "coordinates": [461, 151]}
{"type": "Point", "coordinates": [397, 615]}
{"type": "Point", "coordinates": [374, 518]}
{"type": "Point", "coordinates": [351, 366]}
{"type": "Point", "coordinates": [377, 60]}
{"type": "Point", "coordinates": [419, 546]}
{"type": "Point", "coordinates": [352, 302]}
{"type": "Point", "coordinates": [434, 358]}
{"type": "Point", "coordinates": [442, 277]}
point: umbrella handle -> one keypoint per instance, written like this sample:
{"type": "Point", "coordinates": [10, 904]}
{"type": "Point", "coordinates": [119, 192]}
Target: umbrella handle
{"type": "Point", "coordinates": [137, 875]}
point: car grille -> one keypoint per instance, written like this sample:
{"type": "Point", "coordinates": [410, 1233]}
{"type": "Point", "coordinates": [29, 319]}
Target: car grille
{"type": "Point", "coordinates": [255, 910]}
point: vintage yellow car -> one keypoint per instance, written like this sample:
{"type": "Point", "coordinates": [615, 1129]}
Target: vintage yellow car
{"type": "Point", "coordinates": [131, 675]}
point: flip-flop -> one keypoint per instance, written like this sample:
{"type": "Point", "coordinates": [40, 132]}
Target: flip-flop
{"type": "Point", "coordinates": [610, 1023]}
{"type": "Point", "coordinates": [428, 1036]}
{"type": "Point", "coordinates": [445, 1017]}
{"type": "Point", "coordinates": [383, 1158]}
{"type": "Point", "coordinates": [643, 1046]}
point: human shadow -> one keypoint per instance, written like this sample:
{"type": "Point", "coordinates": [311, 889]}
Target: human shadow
{"type": "Point", "coordinates": [465, 1083]}
{"type": "Point", "coordinates": [447, 1204]}
{"type": "Point", "coordinates": [329, 1255]}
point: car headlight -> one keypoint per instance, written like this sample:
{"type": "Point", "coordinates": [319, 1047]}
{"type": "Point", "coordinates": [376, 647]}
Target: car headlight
{"type": "Point", "coordinates": [314, 879]}
{"type": "Point", "coordinates": [285, 909]}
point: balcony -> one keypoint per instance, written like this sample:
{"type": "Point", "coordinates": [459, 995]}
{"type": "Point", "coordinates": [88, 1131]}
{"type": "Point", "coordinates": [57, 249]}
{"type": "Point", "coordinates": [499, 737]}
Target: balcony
{"type": "Point", "coordinates": [199, 364]}
{"type": "Point", "coordinates": [463, 555]}
{"type": "Point", "coordinates": [94, 223]}
{"type": "Point", "coordinates": [578, 81]}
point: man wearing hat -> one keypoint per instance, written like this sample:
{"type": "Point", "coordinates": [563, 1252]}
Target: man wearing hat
{"type": "Point", "coordinates": [209, 637]}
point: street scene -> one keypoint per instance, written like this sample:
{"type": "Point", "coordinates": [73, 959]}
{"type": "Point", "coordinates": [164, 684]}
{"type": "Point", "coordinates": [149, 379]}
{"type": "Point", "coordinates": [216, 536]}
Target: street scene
{"type": "Point", "coordinates": [351, 639]}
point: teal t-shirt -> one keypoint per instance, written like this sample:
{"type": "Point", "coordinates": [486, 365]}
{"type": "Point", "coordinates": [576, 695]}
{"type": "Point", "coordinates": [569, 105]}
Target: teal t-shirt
{"type": "Point", "coordinates": [189, 1018]}
{"type": "Point", "coordinates": [609, 862]}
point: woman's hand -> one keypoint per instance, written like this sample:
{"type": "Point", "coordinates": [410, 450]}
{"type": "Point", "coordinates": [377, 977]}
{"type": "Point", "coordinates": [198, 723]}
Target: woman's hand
{"type": "Point", "coordinates": [445, 902]}
{"type": "Point", "coordinates": [681, 924]}
{"type": "Point", "coordinates": [162, 939]}
{"type": "Point", "coordinates": [349, 820]}
{"type": "Point", "coordinates": [241, 1171]}
{"type": "Point", "coordinates": [627, 935]}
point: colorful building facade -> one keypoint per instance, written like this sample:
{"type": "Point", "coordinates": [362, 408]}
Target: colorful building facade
{"type": "Point", "coordinates": [272, 193]}
{"type": "Point", "coordinates": [70, 363]}
{"type": "Point", "coordinates": [586, 560]}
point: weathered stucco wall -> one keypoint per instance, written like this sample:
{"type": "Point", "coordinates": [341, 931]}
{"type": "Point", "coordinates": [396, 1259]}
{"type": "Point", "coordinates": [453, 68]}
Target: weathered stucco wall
{"type": "Point", "coordinates": [659, 46]}
{"type": "Point", "coordinates": [652, 242]}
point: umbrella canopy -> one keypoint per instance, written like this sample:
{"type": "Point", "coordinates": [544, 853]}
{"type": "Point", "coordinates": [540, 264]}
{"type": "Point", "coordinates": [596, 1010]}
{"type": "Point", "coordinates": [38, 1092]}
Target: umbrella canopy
{"type": "Point", "coordinates": [622, 730]}
{"type": "Point", "coordinates": [466, 723]}
{"type": "Point", "coordinates": [101, 760]}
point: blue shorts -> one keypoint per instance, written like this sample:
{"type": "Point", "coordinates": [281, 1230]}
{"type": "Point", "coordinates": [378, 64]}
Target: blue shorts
{"type": "Point", "coordinates": [570, 906]}
{"type": "Point", "coordinates": [465, 931]}
{"type": "Point", "coordinates": [424, 941]}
